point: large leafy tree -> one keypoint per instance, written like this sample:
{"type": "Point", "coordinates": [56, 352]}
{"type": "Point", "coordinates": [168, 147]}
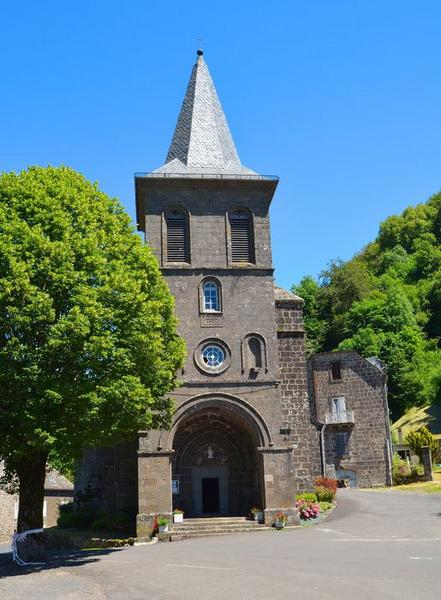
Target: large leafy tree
{"type": "Point", "coordinates": [386, 301]}
{"type": "Point", "coordinates": [88, 343]}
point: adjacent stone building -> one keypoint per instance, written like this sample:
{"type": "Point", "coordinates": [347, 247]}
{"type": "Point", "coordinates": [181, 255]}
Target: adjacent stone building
{"type": "Point", "coordinates": [254, 422]}
{"type": "Point", "coordinates": [57, 490]}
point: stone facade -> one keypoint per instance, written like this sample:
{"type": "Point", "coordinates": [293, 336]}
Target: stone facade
{"type": "Point", "coordinates": [356, 436]}
{"type": "Point", "coordinates": [298, 411]}
{"type": "Point", "coordinates": [250, 427]}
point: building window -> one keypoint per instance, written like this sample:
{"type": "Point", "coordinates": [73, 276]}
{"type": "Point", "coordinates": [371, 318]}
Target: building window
{"type": "Point", "coordinates": [241, 236]}
{"type": "Point", "coordinates": [336, 371]}
{"type": "Point", "coordinates": [211, 296]}
{"type": "Point", "coordinates": [178, 243]}
{"type": "Point", "coordinates": [338, 405]}
{"type": "Point", "coordinates": [213, 356]}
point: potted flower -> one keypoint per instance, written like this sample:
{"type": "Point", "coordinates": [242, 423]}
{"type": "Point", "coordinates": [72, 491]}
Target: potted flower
{"type": "Point", "coordinates": [178, 515]}
{"type": "Point", "coordinates": [163, 524]}
{"type": "Point", "coordinates": [257, 514]}
{"type": "Point", "coordinates": [279, 520]}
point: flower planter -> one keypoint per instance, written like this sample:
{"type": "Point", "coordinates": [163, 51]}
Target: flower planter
{"type": "Point", "coordinates": [258, 516]}
{"type": "Point", "coordinates": [279, 523]}
{"type": "Point", "coordinates": [178, 517]}
{"type": "Point", "coordinates": [163, 528]}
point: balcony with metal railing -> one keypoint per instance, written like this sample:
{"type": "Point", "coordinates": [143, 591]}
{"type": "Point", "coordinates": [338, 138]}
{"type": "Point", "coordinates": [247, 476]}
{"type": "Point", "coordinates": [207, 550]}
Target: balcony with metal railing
{"type": "Point", "coordinates": [339, 417]}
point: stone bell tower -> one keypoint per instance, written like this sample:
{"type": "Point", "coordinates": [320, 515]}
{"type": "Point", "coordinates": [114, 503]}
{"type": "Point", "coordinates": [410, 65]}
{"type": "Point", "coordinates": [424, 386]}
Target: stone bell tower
{"type": "Point", "coordinates": [206, 217]}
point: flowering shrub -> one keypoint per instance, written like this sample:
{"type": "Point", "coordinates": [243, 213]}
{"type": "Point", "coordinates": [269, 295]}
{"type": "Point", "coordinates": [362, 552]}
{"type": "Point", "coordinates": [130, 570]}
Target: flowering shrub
{"type": "Point", "coordinates": [327, 482]}
{"type": "Point", "coordinates": [155, 526]}
{"type": "Point", "coordinates": [309, 496]}
{"type": "Point", "coordinates": [325, 506]}
{"type": "Point", "coordinates": [324, 494]}
{"type": "Point", "coordinates": [307, 510]}
{"type": "Point", "coordinates": [280, 516]}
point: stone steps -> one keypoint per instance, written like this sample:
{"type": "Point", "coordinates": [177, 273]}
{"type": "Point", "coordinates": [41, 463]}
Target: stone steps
{"type": "Point", "coordinates": [211, 526]}
{"type": "Point", "coordinates": [205, 524]}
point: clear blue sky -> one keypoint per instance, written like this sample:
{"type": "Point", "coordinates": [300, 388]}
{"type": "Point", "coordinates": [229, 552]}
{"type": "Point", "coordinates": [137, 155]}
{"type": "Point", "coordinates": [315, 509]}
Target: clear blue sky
{"type": "Point", "coordinates": [340, 98]}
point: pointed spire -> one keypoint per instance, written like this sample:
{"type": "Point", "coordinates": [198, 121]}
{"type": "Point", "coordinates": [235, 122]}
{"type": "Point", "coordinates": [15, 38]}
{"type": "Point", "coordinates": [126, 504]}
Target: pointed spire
{"type": "Point", "coordinates": [202, 142]}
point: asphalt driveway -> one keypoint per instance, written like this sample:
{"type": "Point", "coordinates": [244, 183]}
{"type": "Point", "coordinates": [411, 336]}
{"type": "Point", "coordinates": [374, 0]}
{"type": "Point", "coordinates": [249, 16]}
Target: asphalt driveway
{"type": "Point", "coordinates": [376, 545]}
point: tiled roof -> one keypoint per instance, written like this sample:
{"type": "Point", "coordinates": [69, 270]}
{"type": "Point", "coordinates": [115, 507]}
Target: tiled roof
{"type": "Point", "coordinates": [281, 294]}
{"type": "Point", "coordinates": [55, 481]}
{"type": "Point", "coordinates": [202, 142]}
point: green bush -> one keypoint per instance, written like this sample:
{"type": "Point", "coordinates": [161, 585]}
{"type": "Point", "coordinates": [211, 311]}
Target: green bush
{"type": "Point", "coordinates": [325, 506]}
{"type": "Point", "coordinates": [70, 518]}
{"type": "Point", "coordinates": [308, 496]}
{"type": "Point", "coordinates": [324, 494]}
{"type": "Point", "coordinates": [111, 522]}
{"type": "Point", "coordinates": [402, 473]}
{"type": "Point", "coordinates": [418, 439]}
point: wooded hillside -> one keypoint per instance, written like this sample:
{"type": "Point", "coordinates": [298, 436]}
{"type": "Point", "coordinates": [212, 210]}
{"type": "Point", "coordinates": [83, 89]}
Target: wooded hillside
{"type": "Point", "coordinates": [386, 301]}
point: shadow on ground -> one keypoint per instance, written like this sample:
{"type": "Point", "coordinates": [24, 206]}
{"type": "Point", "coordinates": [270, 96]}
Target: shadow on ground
{"type": "Point", "coordinates": [71, 558]}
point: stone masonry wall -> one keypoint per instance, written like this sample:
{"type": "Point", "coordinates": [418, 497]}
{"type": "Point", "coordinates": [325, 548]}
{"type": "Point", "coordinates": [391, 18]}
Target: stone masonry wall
{"type": "Point", "coordinates": [108, 478]}
{"type": "Point", "coordinates": [297, 408]}
{"type": "Point", "coordinates": [364, 448]}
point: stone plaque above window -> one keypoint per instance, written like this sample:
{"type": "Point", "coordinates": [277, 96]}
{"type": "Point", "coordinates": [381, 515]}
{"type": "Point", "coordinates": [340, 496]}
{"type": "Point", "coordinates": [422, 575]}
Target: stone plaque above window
{"type": "Point", "coordinates": [212, 320]}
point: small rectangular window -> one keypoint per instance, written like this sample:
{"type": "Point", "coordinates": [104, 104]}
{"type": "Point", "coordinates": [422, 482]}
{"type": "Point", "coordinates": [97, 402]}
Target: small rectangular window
{"type": "Point", "coordinates": [336, 371]}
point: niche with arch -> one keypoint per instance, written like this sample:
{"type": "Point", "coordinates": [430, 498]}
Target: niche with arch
{"type": "Point", "coordinates": [254, 356]}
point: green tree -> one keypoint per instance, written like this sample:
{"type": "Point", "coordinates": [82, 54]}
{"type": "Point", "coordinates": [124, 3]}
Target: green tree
{"type": "Point", "coordinates": [386, 301]}
{"type": "Point", "coordinates": [88, 343]}
{"type": "Point", "coordinates": [315, 325]}
{"type": "Point", "coordinates": [418, 439]}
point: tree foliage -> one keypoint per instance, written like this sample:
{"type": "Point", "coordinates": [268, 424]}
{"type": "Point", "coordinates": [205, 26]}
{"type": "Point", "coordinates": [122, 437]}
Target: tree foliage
{"type": "Point", "coordinates": [88, 343]}
{"type": "Point", "coordinates": [386, 301]}
{"type": "Point", "coordinates": [418, 439]}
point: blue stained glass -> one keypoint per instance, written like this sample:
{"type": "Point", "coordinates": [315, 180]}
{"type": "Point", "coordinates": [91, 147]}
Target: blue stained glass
{"type": "Point", "coordinates": [213, 356]}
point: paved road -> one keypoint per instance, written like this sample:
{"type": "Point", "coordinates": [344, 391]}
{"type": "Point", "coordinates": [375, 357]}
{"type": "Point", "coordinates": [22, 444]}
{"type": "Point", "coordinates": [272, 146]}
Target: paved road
{"type": "Point", "coordinates": [374, 546]}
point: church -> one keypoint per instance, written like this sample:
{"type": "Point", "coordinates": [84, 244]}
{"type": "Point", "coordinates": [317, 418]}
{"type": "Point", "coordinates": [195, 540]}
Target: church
{"type": "Point", "coordinates": [256, 421]}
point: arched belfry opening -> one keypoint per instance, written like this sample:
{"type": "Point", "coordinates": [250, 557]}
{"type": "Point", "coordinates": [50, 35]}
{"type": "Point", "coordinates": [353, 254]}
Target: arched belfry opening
{"type": "Point", "coordinates": [216, 468]}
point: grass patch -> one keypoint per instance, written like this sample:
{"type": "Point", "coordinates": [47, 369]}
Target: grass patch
{"type": "Point", "coordinates": [424, 487]}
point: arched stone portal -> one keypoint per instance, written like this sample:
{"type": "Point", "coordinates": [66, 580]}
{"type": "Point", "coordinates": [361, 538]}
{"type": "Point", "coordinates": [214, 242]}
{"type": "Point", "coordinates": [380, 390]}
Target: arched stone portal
{"type": "Point", "coordinates": [216, 468]}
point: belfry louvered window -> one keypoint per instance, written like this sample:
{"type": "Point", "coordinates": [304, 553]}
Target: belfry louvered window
{"type": "Point", "coordinates": [242, 241]}
{"type": "Point", "coordinates": [178, 247]}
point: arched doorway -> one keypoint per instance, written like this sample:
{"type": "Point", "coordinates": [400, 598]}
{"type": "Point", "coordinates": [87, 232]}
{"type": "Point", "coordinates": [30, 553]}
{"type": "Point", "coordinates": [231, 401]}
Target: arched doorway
{"type": "Point", "coordinates": [216, 469]}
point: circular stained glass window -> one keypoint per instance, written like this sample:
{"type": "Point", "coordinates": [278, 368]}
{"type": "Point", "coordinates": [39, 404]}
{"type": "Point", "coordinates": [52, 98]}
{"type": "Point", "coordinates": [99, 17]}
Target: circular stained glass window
{"type": "Point", "coordinates": [213, 356]}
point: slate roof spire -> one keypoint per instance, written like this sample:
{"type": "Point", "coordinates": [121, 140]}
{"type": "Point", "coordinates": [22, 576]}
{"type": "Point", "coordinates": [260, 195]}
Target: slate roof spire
{"type": "Point", "coordinates": [202, 142]}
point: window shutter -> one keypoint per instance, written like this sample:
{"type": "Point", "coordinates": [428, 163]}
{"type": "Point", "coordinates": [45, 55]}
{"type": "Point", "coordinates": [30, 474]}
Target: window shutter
{"type": "Point", "coordinates": [177, 237]}
{"type": "Point", "coordinates": [242, 249]}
